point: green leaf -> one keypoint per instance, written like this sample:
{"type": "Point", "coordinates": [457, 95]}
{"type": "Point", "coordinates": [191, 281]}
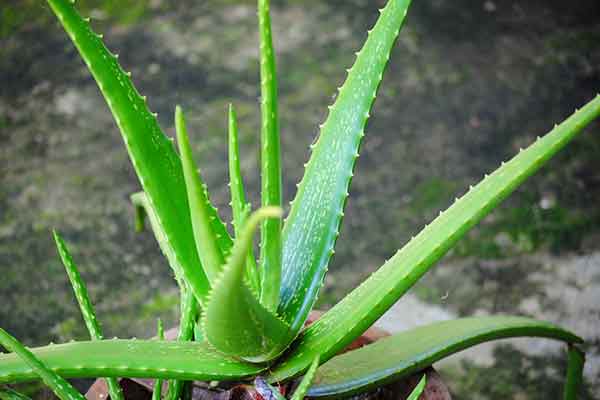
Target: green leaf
{"type": "Point", "coordinates": [574, 373]}
{"type": "Point", "coordinates": [312, 227]}
{"type": "Point", "coordinates": [157, 391]}
{"type": "Point", "coordinates": [414, 395]}
{"type": "Point", "coordinates": [130, 359]}
{"type": "Point", "coordinates": [234, 320]}
{"type": "Point", "coordinates": [206, 238]}
{"type": "Point", "coordinates": [307, 380]}
{"type": "Point", "coordinates": [239, 206]}
{"type": "Point", "coordinates": [10, 394]}
{"type": "Point", "coordinates": [58, 384]}
{"type": "Point", "coordinates": [364, 305]}
{"type": "Point", "coordinates": [405, 353]}
{"type": "Point", "coordinates": [79, 288]}
{"type": "Point", "coordinates": [270, 256]}
{"type": "Point", "coordinates": [87, 310]}
{"type": "Point", "coordinates": [152, 154]}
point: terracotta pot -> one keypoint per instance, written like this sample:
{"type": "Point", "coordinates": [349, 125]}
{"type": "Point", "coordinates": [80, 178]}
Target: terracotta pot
{"type": "Point", "coordinates": [141, 389]}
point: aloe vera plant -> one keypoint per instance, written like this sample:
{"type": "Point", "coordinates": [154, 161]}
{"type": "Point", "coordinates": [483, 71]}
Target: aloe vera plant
{"type": "Point", "coordinates": [243, 318]}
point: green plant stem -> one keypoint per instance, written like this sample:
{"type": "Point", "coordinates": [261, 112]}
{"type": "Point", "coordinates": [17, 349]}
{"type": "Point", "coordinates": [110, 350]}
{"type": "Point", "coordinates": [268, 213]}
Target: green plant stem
{"type": "Point", "coordinates": [270, 163]}
{"type": "Point", "coordinates": [576, 361]}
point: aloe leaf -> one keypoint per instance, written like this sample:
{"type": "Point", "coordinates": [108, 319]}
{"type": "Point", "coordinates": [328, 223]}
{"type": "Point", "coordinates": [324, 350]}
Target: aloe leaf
{"type": "Point", "coordinates": [574, 373]}
{"type": "Point", "coordinates": [158, 383]}
{"type": "Point", "coordinates": [234, 320]}
{"type": "Point", "coordinates": [131, 359]}
{"type": "Point", "coordinates": [58, 384]}
{"type": "Point", "coordinates": [152, 154]}
{"type": "Point", "coordinates": [206, 238]}
{"type": "Point", "coordinates": [365, 304]}
{"type": "Point", "coordinates": [270, 256]}
{"type": "Point", "coordinates": [312, 227]}
{"type": "Point", "coordinates": [306, 381]}
{"type": "Point", "coordinates": [414, 395]}
{"type": "Point", "coordinates": [405, 353]}
{"type": "Point", "coordinates": [10, 394]}
{"type": "Point", "coordinates": [239, 206]}
{"type": "Point", "coordinates": [87, 309]}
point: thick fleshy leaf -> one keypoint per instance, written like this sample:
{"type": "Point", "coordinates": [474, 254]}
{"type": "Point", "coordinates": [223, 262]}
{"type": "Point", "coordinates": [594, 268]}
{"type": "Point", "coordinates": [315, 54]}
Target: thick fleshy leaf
{"type": "Point", "coordinates": [87, 310]}
{"type": "Point", "coordinates": [364, 305]}
{"type": "Point", "coordinates": [206, 238]}
{"type": "Point", "coordinates": [57, 383]}
{"type": "Point", "coordinates": [234, 320]}
{"type": "Point", "coordinates": [239, 206]}
{"type": "Point", "coordinates": [405, 353]}
{"type": "Point", "coordinates": [270, 243]}
{"type": "Point", "coordinates": [312, 227]}
{"type": "Point", "coordinates": [152, 154]}
{"type": "Point", "coordinates": [130, 359]}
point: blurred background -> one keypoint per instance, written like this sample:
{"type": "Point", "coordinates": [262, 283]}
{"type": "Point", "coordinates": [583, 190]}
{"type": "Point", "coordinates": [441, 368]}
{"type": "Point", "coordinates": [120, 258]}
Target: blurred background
{"type": "Point", "coordinates": [469, 82]}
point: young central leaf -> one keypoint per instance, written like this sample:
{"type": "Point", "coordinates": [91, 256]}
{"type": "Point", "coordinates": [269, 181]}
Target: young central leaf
{"type": "Point", "coordinates": [235, 322]}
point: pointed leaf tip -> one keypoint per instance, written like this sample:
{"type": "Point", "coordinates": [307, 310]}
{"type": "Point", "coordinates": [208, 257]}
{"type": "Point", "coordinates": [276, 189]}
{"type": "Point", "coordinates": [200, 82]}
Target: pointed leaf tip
{"type": "Point", "coordinates": [211, 255]}
{"type": "Point", "coordinates": [270, 160]}
{"type": "Point", "coordinates": [235, 322]}
{"type": "Point", "coordinates": [309, 234]}
{"type": "Point", "coordinates": [240, 207]}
